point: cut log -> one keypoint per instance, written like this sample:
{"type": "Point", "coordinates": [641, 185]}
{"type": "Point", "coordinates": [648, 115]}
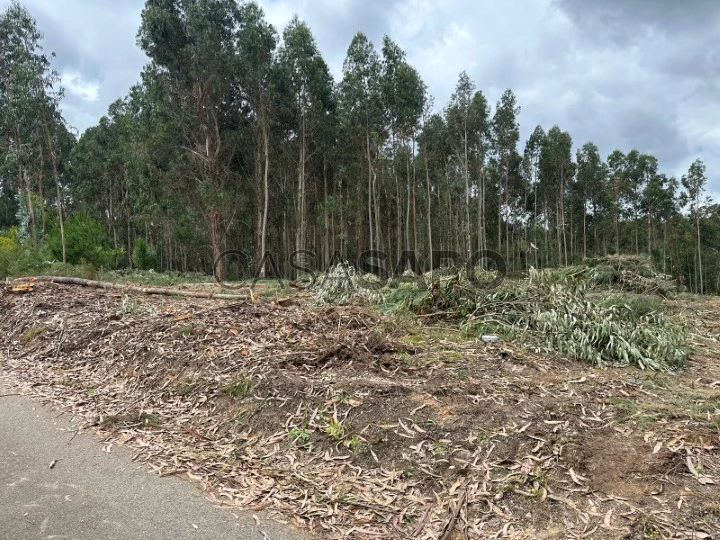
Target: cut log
{"type": "Point", "coordinates": [28, 281]}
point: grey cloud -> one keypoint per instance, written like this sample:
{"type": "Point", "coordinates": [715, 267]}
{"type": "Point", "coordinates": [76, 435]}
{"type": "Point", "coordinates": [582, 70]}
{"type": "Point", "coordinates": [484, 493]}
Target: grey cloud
{"type": "Point", "coordinates": [629, 20]}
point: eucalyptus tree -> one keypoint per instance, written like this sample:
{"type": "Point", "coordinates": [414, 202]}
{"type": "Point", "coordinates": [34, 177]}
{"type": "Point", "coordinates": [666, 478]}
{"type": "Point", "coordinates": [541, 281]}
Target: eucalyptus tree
{"type": "Point", "coordinates": [311, 87]}
{"type": "Point", "coordinates": [694, 182]}
{"type": "Point", "coordinates": [506, 134]}
{"type": "Point", "coordinates": [434, 149]}
{"type": "Point", "coordinates": [403, 100]}
{"type": "Point", "coordinates": [100, 164]}
{"type": "Point", "coordinates": [30, 120]}
{"type": "Point", "coordinates": [481, 124]}
{"type": "Point", "coordinates": [363, 126]}
{"type": "Point", "coordinates": [557, 170]}
{"type": "Point", "coordinates": [193, 45]}
{"type": "Point", "coordinates": [641, 168]}
{"type": "Point", "coordinates": [462, 137]}
{"type": "Point", "coordinates": [590, 184]}
{"type": "Point", "coordinates": [617, 171]}
{"type": "Point", "coordinates": [658, 204]}
{"type": "Point", "coordinates": [531, 165]}
{"type": "Point", "coordinates": [256, 43]}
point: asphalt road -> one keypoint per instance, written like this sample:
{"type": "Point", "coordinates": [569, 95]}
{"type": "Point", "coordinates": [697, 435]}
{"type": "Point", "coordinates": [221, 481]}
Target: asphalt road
{"type": "Point", "coordinates": [90, 494]}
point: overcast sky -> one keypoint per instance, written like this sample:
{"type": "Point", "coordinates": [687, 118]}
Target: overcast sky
{"type": "Point", "coordinates": [625, 74]}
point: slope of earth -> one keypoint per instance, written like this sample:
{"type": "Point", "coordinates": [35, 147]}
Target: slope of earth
{"type": "Point", "coordinates": [353, 424]}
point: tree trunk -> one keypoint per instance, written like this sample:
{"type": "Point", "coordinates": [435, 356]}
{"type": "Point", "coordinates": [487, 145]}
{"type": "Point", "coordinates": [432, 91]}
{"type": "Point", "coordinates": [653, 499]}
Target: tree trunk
{"type": "Point", "coordinates": [301, 218]}
{"type": "Point", "coordinates": [56, 179]}
{"type": "Point", "coordinates": [414, 198]}
{"type": "Point", "coordinates": [699, 257]}
{"type": "Point", "coordinates": [216, 234]}
{"type": "Point", "coordinates": [468, 241]}
{"type": "Point", "coordinates": [266, 196]}
{"type": "Point", "coordinates": [370, 189]}
{"type": "Point", "coordinates": [428, 209]}
{"type": "Point", "coordinates": [326, 215]}
{"type": "Point", "coordinates": [407, 201]}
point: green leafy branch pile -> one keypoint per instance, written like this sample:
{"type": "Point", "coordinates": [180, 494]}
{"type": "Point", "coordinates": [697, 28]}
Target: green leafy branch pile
{"type": "Point", "coordinates": [563, 319]}
{"type": "Point", "coordinates": [341, 285]}
{"type": "Point", "coordinates": [552, 312]}
{"type": "Point", "coordinates": [631, 273]}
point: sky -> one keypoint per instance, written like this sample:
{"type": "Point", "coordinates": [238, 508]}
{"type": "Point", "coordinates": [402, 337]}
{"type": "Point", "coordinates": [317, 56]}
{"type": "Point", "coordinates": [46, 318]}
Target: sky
{"type": "Point", "coordinates": [625, 74]}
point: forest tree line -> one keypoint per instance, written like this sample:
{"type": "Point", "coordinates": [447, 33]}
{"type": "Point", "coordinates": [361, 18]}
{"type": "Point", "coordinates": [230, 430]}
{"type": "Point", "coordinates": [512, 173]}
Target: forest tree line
{"type": "Point", "coordinates": [237, 137]}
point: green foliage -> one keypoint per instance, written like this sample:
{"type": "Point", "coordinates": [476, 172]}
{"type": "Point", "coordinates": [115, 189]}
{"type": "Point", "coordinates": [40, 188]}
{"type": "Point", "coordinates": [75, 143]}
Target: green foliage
{"type": "Point", "coordinates": [341, 285]}
{"type": "Point", "coordinates": [551, 311]}
{"type": "Point", "coordinates": [9, 248]}
{"type": "Point", "coordinates": [86, 242]}
{"type": "Point", "coordinates": [634, 306]}
{"type": "Point", "coordinates": [144, 256]}
{"type": "Point", "coordinates": [566, 321]}
{"type": "Point", "coordinates": [84, 270]}
{"type": "Point", "coordinates": [238, 389]}
{"type": "Point", "coordinates": [299, 435]}
{"type": "Point", "coordinates": [335, 429]}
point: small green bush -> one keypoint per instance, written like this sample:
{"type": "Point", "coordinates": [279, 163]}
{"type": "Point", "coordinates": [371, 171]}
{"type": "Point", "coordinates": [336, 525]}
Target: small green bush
{"type": "Point", "coordinates": [144, 256]}
{"type": "Point", "coordinates": [9, 248]}
{"type": "Point", "coordinates": [86, 241]}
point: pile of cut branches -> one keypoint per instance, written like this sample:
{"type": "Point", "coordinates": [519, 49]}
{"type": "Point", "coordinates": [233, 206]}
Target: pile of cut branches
{"type": "Point", "coordinates": [341, 285]}
{"type": "Point", "coordinates": [630, 273]}
{"type": "Point", "coordinates": [552, 312]}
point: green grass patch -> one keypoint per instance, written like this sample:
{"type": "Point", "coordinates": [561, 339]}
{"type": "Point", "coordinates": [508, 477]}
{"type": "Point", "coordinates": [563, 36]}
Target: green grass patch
{"type": "Point", "coordinates": [31, 333]}
{"type": "Point", "coordinates": [238, 389]}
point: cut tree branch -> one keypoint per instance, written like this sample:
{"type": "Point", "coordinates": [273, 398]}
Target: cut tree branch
{"type": "Point", "coordinates": [132, 288]}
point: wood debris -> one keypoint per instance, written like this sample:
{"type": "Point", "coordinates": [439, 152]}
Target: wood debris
{"type": "Point", "coordinates": [332, 420]}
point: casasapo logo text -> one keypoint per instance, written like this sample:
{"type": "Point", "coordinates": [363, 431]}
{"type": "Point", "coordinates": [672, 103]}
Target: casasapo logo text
{"type": "Point", "coordinates": [484, 270]}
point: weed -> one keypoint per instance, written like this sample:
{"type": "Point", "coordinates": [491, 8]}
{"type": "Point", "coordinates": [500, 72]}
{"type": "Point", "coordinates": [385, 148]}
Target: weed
{"type": "Point", "coordinates": [187, 330]}
{"type": "Point", "coordinates": [32, 333]}
{"type": "Point", "coordinates": [407, 359]}
{"type": "Point", "coordinates": [299, 435]}
{"type": "Point", "coordinates": [439, 447]}
{"type": "Point", "coordinates": [335, 429]}
{"type": "Point", "coordinates": [238, 389]}
{"type": "Point", "coordinates": [355, 443]}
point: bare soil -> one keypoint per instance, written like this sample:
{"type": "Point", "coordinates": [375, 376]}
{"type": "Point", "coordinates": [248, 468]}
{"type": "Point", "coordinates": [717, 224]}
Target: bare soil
{"type": "Point", "coordinates": [354, 424]}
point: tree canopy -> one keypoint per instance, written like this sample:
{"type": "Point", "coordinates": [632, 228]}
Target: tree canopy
{"type": "Point", "coordinates": [237, 137]}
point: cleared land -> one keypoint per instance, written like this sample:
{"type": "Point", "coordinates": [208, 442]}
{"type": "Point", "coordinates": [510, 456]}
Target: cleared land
{"type": "Point", "coordinates": [351, 423]}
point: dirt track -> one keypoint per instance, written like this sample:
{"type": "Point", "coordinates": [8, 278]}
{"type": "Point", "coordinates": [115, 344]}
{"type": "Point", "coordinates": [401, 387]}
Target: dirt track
{"type": "Point", "coordinates": [355, 424]}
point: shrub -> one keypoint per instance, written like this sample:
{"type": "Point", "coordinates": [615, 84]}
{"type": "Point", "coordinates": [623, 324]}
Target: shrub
{"type": "Point", "coordinates": [144, 256]}
{"type": "Point", "coordinates": [9, 248]}
{"type": "Point", "coordinates": [86, 241]}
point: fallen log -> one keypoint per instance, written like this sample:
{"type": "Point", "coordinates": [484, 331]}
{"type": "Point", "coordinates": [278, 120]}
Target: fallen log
{"type": "Point", "coordinates": [128, 288]}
